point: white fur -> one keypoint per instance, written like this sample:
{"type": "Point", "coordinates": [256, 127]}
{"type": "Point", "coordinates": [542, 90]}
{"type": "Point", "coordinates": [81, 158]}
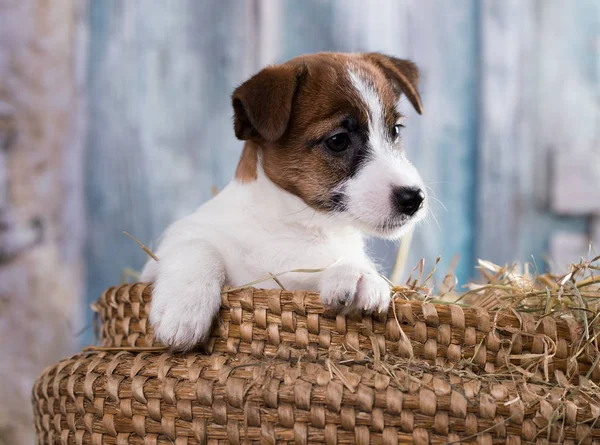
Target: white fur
{"type": "Point", "coordinates": [377, 132]}
{"type": "Point", "coordinates": [246, 232]}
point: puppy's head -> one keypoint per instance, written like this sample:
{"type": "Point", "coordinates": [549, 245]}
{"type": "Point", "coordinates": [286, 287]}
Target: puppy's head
{"type": "Point", "coordinates": [327, 128]}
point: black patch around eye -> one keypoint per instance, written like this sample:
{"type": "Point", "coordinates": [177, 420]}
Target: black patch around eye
{"type": "Point", "coordinates": [338, 202]}
{"type": "Point", "coordinates": [358, 160]}
{"type": "Point", "coordinates": [354, 126]}
{"type": "Point", "coordinates": [350, 124]}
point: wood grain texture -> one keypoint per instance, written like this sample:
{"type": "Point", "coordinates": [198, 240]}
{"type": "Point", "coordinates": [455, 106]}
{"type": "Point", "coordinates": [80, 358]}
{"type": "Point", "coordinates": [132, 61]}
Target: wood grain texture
{"type": "Point", "coordinates": [42, 122]}
{"type": "Point", "coordinates": [571, 110]}
{"type": "Point", "coordinates": [576, 183]}
{"type": "Point", "coordinates": [529, 51]}
{"type": "Point", "coordinates": [160, 84]}
{"type": "Point", "coordinates": [507, 151]}
{"type": "Point", "coordinates": [568, 80]}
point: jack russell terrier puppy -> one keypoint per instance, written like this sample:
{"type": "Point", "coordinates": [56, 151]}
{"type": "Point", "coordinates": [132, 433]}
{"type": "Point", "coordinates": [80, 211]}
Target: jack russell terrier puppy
{"type": "Point", "coordinates": [322, 166]}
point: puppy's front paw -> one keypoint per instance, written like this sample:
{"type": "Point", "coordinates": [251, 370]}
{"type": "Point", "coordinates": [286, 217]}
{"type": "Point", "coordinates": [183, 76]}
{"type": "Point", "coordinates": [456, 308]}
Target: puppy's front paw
{"type": "Point", "coordinates": [185, 301]}
{"type": "Point", "coordinates": [349, 287]}
{"type": "Point", "coordinates": [180, 318]}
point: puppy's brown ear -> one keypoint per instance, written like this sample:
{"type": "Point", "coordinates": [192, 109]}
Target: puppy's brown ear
{"type": "Point", "coordinates": [403, 74]}
{"type": "Point", "coordinates": [263, 104]}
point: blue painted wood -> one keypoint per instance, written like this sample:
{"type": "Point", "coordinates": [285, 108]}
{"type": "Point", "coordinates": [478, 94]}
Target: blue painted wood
{"type": "Point", "coordinates": [538, 96]}
{"type": "Point", "coordinates": [160, 79]}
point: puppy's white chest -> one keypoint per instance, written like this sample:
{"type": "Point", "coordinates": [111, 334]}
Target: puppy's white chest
{"type": "Point", "coordinates": [289, 251]}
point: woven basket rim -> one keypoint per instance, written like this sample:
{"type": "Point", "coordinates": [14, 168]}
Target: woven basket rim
{"type": "Point", "coordinates": [278, 323]}
{"type": "Point", "coordinates": [302, 302]}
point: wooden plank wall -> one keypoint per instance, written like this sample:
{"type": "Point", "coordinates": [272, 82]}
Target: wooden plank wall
{"type": "Point", "coordinates": [540, 115]}
{"type": "Point", "coordinates": [506, 86]}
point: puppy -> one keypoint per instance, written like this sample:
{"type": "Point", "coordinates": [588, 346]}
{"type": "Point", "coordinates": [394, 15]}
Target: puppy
{"type": "Point", "coordinates": [322, 167]}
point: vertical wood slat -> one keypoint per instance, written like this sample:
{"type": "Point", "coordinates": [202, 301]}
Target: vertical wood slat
{"type": "Point", "coordinates": [573, 30]}
{"type": "Point", "coordinates": [571, 109]}
{"type": "Point", "coordinates": [161, 135]}
{"type": "Point", "coordinates": [535, 75]}
{"type": "Point", "coordinates": [569, 77]}
{"type": "Point", "coordinates": [575, 184]}
{"type": "Point", "coordinates": [505, 198]}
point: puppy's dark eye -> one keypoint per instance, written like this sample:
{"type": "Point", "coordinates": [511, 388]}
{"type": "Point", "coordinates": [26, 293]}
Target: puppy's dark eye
{"type": "Point", "coordinates": [396, 130]}
{"type": "Point", "coordinates": [338, 143]}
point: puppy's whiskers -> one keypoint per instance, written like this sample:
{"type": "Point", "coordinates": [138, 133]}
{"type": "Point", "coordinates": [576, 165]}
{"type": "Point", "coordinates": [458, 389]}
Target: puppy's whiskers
{"type": "Point", "coordinates": [298, 211]}
{"type": "Point", "coordinates": [432, 195]}
{"type": "Point", "coordinates": [431, 214]}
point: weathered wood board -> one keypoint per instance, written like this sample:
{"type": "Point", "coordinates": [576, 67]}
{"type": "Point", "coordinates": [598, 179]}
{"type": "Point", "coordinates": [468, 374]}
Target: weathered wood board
{"type": "Point", "coordinates": [539, 98]}
{"type": "Point", "coordinates": [576, 183]}
{"type": "Point", "coordinates": [160, 79]}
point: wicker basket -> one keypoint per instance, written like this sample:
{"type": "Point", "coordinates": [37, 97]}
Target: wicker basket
{"type": "Point", "coordinates": [280, 369]}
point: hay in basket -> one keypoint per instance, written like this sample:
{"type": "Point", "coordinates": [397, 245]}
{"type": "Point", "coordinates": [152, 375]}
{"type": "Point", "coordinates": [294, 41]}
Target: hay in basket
{"type": "Point", "coordinates": [514, 360]}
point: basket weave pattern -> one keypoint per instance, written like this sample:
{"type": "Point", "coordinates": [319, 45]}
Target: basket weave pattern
{"type": "Point", "coordinates": [280, 369]}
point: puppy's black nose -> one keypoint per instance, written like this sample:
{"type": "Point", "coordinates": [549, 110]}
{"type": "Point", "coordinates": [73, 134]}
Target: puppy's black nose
{"type": "Point", "coordinates": [408, 200]}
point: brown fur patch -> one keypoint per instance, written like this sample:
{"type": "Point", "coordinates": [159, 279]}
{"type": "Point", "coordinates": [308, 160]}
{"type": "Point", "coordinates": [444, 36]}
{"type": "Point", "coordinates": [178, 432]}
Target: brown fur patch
{"type": "Point", "coordinates": [403, 74]}
{"type": "Point", "coordinates": [247, 167]}
{"type": "Point", "coordinates": [307, 101]}
{"type": "Point", "coordinates": [263, 103]}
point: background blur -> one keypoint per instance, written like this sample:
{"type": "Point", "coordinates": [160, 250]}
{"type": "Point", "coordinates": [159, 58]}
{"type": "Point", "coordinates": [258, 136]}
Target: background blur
{"type": "Point", "coordinates": [115, 115]}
